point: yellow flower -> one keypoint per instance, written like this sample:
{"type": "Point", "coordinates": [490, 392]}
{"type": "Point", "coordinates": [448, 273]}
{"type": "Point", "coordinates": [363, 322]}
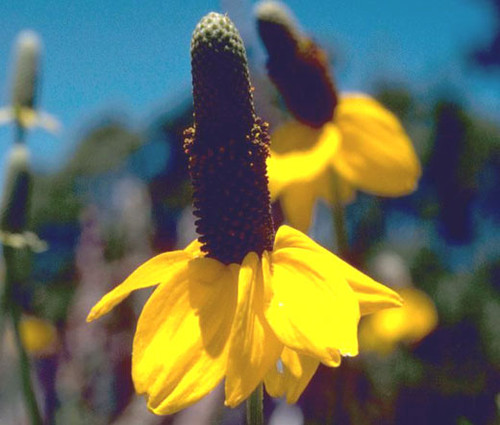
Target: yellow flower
{"type": "Point", "coordinates": [38, 336]}
{"type": "Point", "coordinates": [417, 318]}
{"type": "Point", "coordinates": [364, 145]}
{"type": "Point", "coordinates": [298, 303]}
{"type": "Point", "coordinates": [240, 303]}
{"type": "Point", "coordinates": [336, 144]}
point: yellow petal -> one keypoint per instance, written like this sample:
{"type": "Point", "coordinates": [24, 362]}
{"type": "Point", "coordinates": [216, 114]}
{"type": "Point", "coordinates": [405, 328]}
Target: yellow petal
{"type": "Point", "coordinates": [300, 153]}
{"type": "Point", "coordinates": [157, 270]}
{"type": "Point", "coordinates": [194, 249]}
{"type": "Point", "coordinates": [298, 201]}
{"type": "Point", "coordinates": [254, 347]}
{"type": "Point", "coordinates": [180, 345]}
{"type": "Point", "coordinates": [382, 331]}
{"type": "Point", "coordinates": [421, 314]}
{"type": "Point", "coordinates": [312, 309]}
{"type": "Point", "coordinates": [290, 375]}
{"type": "Point", "coordinates": [372, 296]}
{"type": "Point", "coordinates": [375, 153]}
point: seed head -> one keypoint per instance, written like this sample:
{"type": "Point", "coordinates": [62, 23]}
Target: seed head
{"type": "Point", "coordinates": [16, 194]}
{"type": "Point", "coordinates": [278, 29]}
{"type": "Point", "coordinates": [297, 65]}
{"type": "Point", "coordinates": [227, 147]}
{"type": "Point", "coordinates": [26, 70]}
{"type": "Point", "coordinates": [222, 96]}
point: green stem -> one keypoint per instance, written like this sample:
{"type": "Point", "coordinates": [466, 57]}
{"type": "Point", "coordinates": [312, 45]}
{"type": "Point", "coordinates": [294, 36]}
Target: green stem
{"type": "Point", "coordinates": [255, 414]}
{"type": "Point", "coordinates": [341, 238]}
{"type": "Point", "coordinates": [20, 133]}
{"type": "Point", "coordinates": [24, 364]}
{"type": "Point", "coordinates": [3, 314]}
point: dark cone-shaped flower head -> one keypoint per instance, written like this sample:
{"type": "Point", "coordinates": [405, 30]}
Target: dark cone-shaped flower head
{"type": "Point", "coordinates": [278, 29]}
{"type": "Point", "coordinates": [296, 65]}
{"type": "Point", "coordinates": [16, 194]}
{"type": "Point", "coordinates": [26, 70]}
{"type": "Point", "coordinates": [227, 147]}
{"type": "Point", "coordinates": [221, 84]}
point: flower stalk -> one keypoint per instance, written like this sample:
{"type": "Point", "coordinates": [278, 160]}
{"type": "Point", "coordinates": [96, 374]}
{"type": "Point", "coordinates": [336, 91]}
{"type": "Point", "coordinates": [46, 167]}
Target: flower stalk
{"type": "Point", "coordinates": [17, 256]}
{"type": "Point", "coordinates": [255, 415]}
{"type": "Point", "coordinates": [25, 369]}
{"type": "Point", "coordinates": [339, 222]}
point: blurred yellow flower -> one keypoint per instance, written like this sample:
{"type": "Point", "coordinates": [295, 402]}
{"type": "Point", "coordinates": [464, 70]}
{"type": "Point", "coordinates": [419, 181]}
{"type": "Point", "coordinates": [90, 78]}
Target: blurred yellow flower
{"type": "Point", "coordinates": [363, 148]}
{"type": "Point", "coordinates": [273, 318]}
{"type": "Point", "coordinates": [382, 331]}
{"type": "Point", "coordinates": [38, 336]}
{"type": "Point", "coordinates": [336, 144]}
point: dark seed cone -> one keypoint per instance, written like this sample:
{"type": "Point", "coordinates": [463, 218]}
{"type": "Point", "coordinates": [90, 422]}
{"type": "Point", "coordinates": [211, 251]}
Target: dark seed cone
{"type": "Point", "coordinates": [16, 195]}
{"type": "Point", "coordinates": [296, 65]}
{"type": "Point", "coordinates": [227, 147]}
{"type": "Point", "coordinates": [14, 216]}
{"type": "Point", "coordinates": [223, 103]}
{"type": "Point", "coordinates": [26, 71]}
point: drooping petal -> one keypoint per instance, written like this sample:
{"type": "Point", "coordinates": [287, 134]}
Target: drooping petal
{"type": "Point", "coordinates": [375, 153]}
{"type": "Point", "coordinates": [416, 319]}
{"type": "Point", "coordinates": [254, 347]}
{"type": "Point", "coordinates": [298, 201]}
{"type": "Point", "coordinates": [312, 309]}
{"type": "Point", "coordinates": [372, 296]}
{"type": "Point", "coordinates": [159, 269]}
{"type": "Point", "coordinates": [180, 345]}
{"type": "Point", "coordinates": [300, 153]}
{"type": "Point", "coordinates": [290, 375]}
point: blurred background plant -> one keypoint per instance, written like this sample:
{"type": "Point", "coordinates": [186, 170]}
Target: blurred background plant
{"type": "Point", "coordinates": [111, 189]}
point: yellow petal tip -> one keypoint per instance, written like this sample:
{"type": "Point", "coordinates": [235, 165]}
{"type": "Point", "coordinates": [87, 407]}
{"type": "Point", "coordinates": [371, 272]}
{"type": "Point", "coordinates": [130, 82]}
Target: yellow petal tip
{"type": "Point", "coordinates": [92, 315]}
{"type": "Point", "coordinates": [100, 309]}
{"type": "Point", "coordinates": [397, 301]}
{"type": "Point", "coordinates": [231, 403]}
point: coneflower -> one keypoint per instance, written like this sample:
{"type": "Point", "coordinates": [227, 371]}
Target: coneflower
{"type": "Point", "coordinates": [240, 303]}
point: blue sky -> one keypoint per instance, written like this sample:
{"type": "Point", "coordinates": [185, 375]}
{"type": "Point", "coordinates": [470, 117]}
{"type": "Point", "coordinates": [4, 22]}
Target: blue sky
{"type": "Point", "coordinates": [133, 55]}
